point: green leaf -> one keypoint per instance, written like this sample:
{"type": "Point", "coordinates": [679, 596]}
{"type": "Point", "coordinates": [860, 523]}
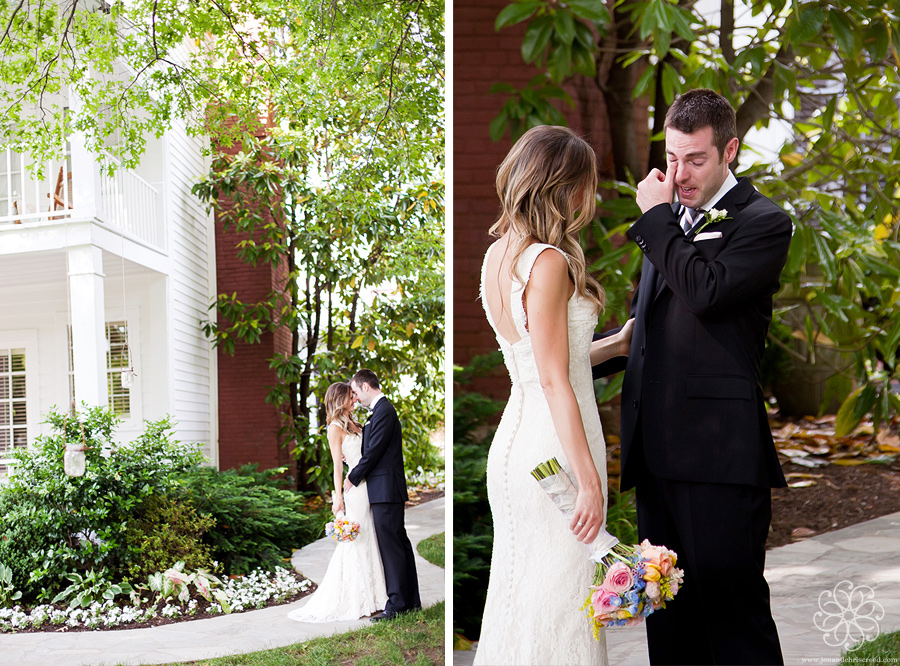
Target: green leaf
{"type": "Point", "coordinates": [564, 25]}
{"type": "Point", "coordinates": [807, 25]}
{"type": "Point", "coordinates": [559, 64]}
{"type": "Point", "coordinates": [537, 36]}
{"type": "Point", "coordinates": [515, 13]}
{"type": "Point", "coordinates": [593, 10]}
{"type": "Point", "coordinates": [498, 127]}
{"type": "Point", "coordinates": [644, 82]}
{"type": "Point", "coordinates": [845, 32]}
{"type": "Point", "coordinates": [855, 407]}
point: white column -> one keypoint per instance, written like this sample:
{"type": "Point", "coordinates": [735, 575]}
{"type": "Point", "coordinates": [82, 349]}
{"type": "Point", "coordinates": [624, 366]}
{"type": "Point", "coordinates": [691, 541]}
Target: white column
{"type": "Point", "coordinates": [88, 324]}
{"type": "Point", "coordinates": [87, 197]}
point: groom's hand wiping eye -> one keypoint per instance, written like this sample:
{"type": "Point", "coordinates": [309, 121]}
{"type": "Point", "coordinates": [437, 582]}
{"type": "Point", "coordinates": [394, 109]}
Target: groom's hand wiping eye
{"type": "Point", "coordinates": [656, 188]}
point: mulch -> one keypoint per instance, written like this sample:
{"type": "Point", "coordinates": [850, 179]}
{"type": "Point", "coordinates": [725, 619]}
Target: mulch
{"type": "Point", "coordinates": [837, 481]}
{"type": "Point", "coordinates": [842, 496]}
{"type": "Point", "coordinates": [421, 495]}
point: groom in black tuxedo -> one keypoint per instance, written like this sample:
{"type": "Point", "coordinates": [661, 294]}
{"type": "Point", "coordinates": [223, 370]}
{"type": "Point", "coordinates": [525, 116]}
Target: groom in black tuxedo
{"type": "Point", "coordinates": [381, 467]}
{"type": "Point", "coordinates": [695, 437]}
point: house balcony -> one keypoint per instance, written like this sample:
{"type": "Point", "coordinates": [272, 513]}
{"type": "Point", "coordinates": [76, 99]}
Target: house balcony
{"type": "Point", "coordinates": [76, 189]}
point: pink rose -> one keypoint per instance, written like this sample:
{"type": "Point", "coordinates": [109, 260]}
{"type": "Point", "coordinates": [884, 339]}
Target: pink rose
{"type": "Point", "coordinates": [661, 557]}
{"type": "Point", "coordinates": [605, 600]}
{"type": "Point", "coordinates": [652, 591]}
{"type": "Point", "coordinates": [619, 578]}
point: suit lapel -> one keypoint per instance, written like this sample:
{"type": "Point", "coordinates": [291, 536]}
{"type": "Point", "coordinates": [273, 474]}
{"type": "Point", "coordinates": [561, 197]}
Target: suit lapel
{"type": "Point", "coordinates": [733, 202]}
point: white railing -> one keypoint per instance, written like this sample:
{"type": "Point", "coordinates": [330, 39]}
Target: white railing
{"type": "Point", "coordinates": [24, 198]}
{"type": "Point", "coordinates": [121, 198]}
{"type": "Point", "coordinates": [131, 203]}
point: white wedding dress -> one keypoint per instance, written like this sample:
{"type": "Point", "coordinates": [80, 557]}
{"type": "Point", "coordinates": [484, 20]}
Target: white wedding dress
{"type": "Point", "coordinates": [353, 585]}
{"type": "Point", "coordinates": [540, 573]}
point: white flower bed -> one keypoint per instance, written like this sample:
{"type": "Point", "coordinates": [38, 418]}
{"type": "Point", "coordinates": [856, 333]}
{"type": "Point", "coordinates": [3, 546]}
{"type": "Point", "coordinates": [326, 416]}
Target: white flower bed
{"type": "Point", "coordinates": [429, 479]}
{"type": "Point", "coordinates": [252, 591]}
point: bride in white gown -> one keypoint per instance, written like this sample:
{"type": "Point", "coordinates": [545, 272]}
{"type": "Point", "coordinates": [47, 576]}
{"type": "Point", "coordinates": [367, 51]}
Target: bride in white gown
{"type": "Point", "coordinates": [543, 308]}
{"type": "Point", "coordinates": [353, 585]}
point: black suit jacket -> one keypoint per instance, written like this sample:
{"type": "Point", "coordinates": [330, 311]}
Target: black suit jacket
{"type": "Point", "coordinates": [381, 464]}
{"type": "Point", "coordinates": [702, 311]}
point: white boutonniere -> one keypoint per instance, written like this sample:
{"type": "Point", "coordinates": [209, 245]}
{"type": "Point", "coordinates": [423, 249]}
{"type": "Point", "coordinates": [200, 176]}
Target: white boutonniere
{"type": "Point", "coordinates": [713, 216]}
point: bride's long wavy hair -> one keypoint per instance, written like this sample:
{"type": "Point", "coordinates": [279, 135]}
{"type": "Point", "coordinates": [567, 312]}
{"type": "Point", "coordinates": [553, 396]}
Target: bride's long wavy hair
{"type": "Point", "coordinates": [547, 186]}
{"type": "Point", "coordinates": [336, 397]}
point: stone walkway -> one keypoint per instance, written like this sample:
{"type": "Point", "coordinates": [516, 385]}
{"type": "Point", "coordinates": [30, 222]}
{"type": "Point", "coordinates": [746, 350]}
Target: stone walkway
{"type": "Point", "coordinates": [224, 635]}
{"type": "Point", "coordinates": [803, 577]}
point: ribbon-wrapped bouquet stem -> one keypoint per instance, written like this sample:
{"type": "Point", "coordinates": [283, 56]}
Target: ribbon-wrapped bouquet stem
{"type": "Point", "coordinates": [630, 582]}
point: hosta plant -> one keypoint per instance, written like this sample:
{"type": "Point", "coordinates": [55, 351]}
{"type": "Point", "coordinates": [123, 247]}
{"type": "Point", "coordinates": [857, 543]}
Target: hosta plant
{"type": "Point", "coordinates": [8, 591]}
{"type": "Point", "coordinates": [91, 588]}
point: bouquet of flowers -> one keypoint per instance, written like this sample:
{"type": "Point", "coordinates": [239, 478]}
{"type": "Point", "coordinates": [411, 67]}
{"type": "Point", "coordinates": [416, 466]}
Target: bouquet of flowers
{"type": "Point", "coordinates": [341, 529]}
{"type": "Point", "coordinates": [630, 582]}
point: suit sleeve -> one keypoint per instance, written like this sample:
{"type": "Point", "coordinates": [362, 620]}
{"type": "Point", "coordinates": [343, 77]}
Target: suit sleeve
{"type": "Point", "coordinates": [378, 438]}
{"type": "Point", "coordinates": [752, 258]}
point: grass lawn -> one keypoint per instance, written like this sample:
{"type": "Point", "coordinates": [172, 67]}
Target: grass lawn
{"type": "Point", "coordinates": [432, 549]}
{"type": "Point", "coordinates": [880, 651]}
{"type": "Point", "coordinates": [414, 639]}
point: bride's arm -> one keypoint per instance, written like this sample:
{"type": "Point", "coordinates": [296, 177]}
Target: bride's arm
{"type": "Point", "coordinates": [546, 302]}
{"type": "Point", "coordinates": [617, 344]}
{"type": "Point", "coordinates": [335, 439]}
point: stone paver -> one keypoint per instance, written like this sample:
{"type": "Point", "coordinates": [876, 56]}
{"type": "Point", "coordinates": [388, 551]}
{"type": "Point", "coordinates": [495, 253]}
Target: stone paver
{"type": "Point", "coordinates": [224, 635]}
{"type": "Point", "coordinates": [799, 575]}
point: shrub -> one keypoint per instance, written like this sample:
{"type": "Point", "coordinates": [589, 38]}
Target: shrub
{"type": "Point", "coordinates": [53, 525]}
{"type": "Point", "coordinates": [166, 531]}
{"type": "Point", "coordinates": [255, 525]}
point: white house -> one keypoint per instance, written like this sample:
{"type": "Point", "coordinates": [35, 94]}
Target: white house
{"type": "Point", "coordinates": [104, 280]}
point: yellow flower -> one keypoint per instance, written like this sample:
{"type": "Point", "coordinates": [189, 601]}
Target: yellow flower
{"type": "Point", "coordinates": [652, 573]}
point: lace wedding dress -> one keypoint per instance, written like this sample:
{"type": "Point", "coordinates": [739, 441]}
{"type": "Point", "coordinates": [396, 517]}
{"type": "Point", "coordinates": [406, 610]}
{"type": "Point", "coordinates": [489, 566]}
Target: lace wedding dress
{"type": "Point", "coordinates": [353, 585]}
{"type": "Point", "coordinates": [540, 573]}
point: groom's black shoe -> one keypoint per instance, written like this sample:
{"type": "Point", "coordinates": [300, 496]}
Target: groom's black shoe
{"type": "Point", "coordinates": [381, 616]}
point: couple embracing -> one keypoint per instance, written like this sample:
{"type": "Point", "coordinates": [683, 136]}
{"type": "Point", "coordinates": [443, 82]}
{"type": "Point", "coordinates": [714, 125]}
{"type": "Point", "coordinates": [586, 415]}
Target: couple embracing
{"type": "Point", "coordinates": [375, 574]}
{"type": "Point", "coordinates": [695, 437]}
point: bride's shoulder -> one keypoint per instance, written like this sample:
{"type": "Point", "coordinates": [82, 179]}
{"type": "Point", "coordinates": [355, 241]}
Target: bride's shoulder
{"type": "Point", "coordinates": [547, 266]}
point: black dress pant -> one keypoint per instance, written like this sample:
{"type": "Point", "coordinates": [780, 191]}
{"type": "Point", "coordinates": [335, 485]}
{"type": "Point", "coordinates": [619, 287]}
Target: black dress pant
{"type": "Point", "coordinates": [721, 614]}
{"type": "Point", "coordinates": [397, 557]}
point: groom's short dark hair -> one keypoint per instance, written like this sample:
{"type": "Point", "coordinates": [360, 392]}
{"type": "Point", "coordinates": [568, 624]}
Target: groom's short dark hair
{"type": "Point", "coordinates": [366, 377]}
{"type": "Point", "coordinates": [695, 109]}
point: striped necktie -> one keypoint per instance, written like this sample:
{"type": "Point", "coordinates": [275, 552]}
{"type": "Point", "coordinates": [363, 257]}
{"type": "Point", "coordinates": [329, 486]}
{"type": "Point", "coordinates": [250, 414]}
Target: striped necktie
{"type": "Point", "coordinates": [687, 220]}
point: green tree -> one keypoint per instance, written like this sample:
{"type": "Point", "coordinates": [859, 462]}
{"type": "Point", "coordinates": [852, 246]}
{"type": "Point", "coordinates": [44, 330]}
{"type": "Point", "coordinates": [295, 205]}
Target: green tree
{"type": "Point", "coordinates": [830, 70]}
{"type": "Point", "coordinates": [344, 191]}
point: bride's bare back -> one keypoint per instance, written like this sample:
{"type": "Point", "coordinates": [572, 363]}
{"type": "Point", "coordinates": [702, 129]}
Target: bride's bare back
{"type": "Point", "coordinates": [498, 289]}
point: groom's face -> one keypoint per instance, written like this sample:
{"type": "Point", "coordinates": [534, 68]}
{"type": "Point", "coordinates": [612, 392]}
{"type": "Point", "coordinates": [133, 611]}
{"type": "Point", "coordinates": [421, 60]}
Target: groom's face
{"type": "Point", "coordinates": [359, 393]}
{"type": "Point", "coordinates": [701, 170]}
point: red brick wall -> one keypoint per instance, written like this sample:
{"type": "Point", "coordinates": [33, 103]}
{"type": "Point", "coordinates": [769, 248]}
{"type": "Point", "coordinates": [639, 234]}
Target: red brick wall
{"type": "Point", "coordinates": [482, 57]}
{"type": "Point", "coordinates": [248, 427]}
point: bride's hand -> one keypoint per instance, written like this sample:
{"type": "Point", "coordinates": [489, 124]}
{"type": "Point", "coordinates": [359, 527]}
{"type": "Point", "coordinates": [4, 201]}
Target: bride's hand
{"type": "Point", "coordinates": [588, 516]}
{"type": "Point", "coordinates": [625, 337]}
{"type": "Point", "coordinates": [338, 506]}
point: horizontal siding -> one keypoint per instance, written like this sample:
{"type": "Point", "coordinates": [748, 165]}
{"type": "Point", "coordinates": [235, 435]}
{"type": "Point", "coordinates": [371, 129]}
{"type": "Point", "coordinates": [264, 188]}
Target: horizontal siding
{"type": "Point", "coordinates": [189, 290]}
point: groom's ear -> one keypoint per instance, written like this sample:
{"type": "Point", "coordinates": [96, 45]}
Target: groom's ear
{"type": "Point", "coordinates": [731, 149]}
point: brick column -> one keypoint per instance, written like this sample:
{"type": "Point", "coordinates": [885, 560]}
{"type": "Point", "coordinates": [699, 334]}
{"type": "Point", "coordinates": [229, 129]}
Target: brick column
{"type": "Point", "coordinates": [248, 427]}
{"type": "Point", "coordinates": [481, 58]}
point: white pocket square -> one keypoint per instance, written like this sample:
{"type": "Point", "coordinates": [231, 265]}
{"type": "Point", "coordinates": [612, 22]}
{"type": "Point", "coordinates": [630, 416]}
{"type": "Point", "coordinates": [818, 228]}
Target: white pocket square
{"type": "Point", "coordinates": [707, 235]}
